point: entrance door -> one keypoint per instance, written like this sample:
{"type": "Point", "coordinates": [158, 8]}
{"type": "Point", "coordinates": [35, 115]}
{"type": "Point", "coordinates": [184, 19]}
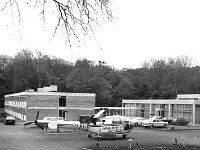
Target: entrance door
{"type": "Point", "coordinates": [160, 113]}
{"type": "Point", "coordinates": [62, 113]}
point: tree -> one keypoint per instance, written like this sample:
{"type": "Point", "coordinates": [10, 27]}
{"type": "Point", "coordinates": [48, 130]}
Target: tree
{"type": "Point", "coordinates": [3, 91]}
{"type": "Point", "coordinates": [76, 17]}
{"type": "Point", "coordinates": [80, 76]}
{"type": "Point", "coordinates": [23, 71]}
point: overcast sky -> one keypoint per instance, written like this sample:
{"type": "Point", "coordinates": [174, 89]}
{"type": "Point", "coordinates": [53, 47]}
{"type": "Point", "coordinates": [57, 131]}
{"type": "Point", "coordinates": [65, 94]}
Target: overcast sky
{"type": "Point", "coordinates": [142, 30]}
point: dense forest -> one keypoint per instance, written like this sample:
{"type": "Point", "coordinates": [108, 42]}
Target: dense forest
{"type": "Point", "coordinates": [157, 79]}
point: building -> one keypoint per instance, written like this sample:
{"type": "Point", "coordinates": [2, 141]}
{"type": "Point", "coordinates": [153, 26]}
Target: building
{"type": "Point", "coordinates": [49, 103]}
{"type": "Point", "coordinates": [184, 106]}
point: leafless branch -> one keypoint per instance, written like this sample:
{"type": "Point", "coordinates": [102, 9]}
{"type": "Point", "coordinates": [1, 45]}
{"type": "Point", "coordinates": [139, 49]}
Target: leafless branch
{"type": "Point", "coordinates": [19, 14]}
{"type": "Point", "coordinates": [11, 3]}
{"type": "Point", "coordinates": [73, 15]}
{"type": "Point", "coordinates": [5, 6]}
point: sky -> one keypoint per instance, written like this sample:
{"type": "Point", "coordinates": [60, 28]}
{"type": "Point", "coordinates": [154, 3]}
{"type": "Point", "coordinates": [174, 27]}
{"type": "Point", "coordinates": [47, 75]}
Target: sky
{"type": "Point", "coordinates": [141, 30]}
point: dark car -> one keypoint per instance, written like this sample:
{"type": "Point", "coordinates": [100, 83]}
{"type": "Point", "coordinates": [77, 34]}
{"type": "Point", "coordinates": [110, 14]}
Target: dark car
{"type": "Point", "coordinates": [180, 121]}
{"type": "Point", "coordinates": [10, 120]}
{"type": "Point", "coordinates": [168, 119]}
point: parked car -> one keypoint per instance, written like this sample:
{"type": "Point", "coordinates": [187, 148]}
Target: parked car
{"type": "Point", "coordinates": [138, 120]}
{"type": "Point", "coordinates": [180, 121]}
{"type": "Point", "coordinates": [131, 120]}
{"type": "Point", "coordinates": [10, 120]}
{"type": "Point", "coordinates": [168, 119]}
{"type": "Point", "coordinates": [153, 122]}
{"type": "Point", "coordinates": [157, 117]}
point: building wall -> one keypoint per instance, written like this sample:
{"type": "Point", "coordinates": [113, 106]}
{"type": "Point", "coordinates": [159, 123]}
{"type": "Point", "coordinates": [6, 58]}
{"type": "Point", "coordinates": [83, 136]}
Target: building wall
{"type": "Point", "coordinates": [73, 114]}
{"type": "Point", "coordinates": [42, 101]}
{"type": "Point", "coordinates": [146, 110]}
{"type": "Point", "coordinates": [177, 110]}
{"type": "Point", "coordinates": [182, 111]}
{"type": "Point", "coordinates": [185, 106]}
{"type": "Point", "coordinates": [80, 101]}
{"type": "Point", "coordinates": [16, 106]}
{"type": "Point", "coordinates": [26, 104]}
{"type": "Point", "coordinates": [31, 113]}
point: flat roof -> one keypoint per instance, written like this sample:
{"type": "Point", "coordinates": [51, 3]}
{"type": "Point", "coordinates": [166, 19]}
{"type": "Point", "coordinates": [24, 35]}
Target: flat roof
{"type": "Point", "coordinates": [161, 101]}
{"type": "Point", "coordinates": [188, 96]}
{"type": "Point", "coordinates": [112, 108]}
{"type": "Point", "coordinates": [50, 94]}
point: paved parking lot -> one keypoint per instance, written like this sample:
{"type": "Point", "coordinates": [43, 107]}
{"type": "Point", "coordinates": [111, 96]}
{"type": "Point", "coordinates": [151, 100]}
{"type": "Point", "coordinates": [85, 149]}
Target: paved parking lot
{"type": "Point", "coordinates": [18, 138]}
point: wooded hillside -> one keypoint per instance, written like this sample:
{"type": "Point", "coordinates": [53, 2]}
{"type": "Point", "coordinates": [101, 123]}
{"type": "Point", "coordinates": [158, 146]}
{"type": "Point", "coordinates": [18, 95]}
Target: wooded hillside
{"type": "Point", "coordinates": [157, 79]}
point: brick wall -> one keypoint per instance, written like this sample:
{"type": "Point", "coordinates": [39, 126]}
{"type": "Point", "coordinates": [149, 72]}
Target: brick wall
{"type": "Point", "coordinates": [42, 101]}
{"type": "Point", "coordinates": [31, 114]}
{"type": "Point", "coordinates": [80, 101]}
{"type": "Point", "coordinates": [53, 101]}
{"type": "Point", "coordinates": [48, 104]}
{"type": "Point", "coordinates": [73, 114]}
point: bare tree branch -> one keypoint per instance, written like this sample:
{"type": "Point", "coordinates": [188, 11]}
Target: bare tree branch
{"type": "Point", "coordinates": [19, 14]}
{"type": "Point", "coordinates": [78, 17]}
{"type": "Point", "coordinates": [5, 6]}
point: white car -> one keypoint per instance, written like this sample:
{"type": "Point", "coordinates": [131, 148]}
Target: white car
{"type": "Point", "coordinates": [154, 123]}
{"type": "Point", "coordinates": [138, 120]}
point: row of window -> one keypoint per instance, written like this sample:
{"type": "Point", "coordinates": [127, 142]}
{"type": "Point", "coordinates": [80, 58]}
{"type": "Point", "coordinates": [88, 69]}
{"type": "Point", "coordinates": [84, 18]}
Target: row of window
{"type": "Point", "coordinates": [16, 104]}
{"type": "Point", "coordinates": [18, 115]}
{"type": "Point", "coordinates": [164, 106]}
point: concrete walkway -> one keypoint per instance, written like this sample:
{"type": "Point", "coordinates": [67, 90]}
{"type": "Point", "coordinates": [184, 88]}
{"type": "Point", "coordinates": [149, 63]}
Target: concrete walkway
{"type": "Point", "coordinates": [188, 127]}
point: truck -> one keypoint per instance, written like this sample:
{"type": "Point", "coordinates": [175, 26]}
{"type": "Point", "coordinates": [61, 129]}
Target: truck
{"type": "Point", "coordinates": [154, 122]}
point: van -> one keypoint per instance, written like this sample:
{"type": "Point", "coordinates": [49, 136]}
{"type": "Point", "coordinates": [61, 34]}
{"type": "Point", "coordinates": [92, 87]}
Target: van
{"type": "Point", "coordinates": [10, 120]}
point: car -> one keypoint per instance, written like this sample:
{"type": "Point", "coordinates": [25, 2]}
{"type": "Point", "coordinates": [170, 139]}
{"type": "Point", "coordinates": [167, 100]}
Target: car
{"type": "Point", "coordinates": [157, 117]}
{"type": "Point", "coordinates": [138, 120]}
{"type": "Point", "coordinates": [10, 120]}
{"type": "Point", "coordinates": [180, 121]}
{"type": "Point", "coordinates": [154, 122]}
{"type": "Point", "coordinates": [168, 119]}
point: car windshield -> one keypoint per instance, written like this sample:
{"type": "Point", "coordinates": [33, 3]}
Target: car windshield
{"type": "Point", "coordinates": [53, 118]}
{"type": "Point", "coordinates": [10, 117]}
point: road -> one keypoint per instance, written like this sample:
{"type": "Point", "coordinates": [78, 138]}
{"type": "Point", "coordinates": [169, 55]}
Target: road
{"type": "Point", "coordinates": [18, 138]}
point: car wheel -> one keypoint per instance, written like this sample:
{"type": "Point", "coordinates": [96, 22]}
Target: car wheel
{"type": "Point", "coordinates": [124, 136]}
{"type": "Point", "coordinates": [98, 138]}
{"type": "Point", "coordinates": [89, 135]}
{"type": "Point", "coordinates": [151, 126]}
{"type": "Point", "coordinates": [164, 126]}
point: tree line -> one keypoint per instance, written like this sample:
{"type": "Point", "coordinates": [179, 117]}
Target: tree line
{"type": "Point", "coordinates": [156, 79]}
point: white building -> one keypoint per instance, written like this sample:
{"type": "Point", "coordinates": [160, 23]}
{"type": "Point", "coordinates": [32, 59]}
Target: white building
{"type": "Point", "coordinates": [184, 106]}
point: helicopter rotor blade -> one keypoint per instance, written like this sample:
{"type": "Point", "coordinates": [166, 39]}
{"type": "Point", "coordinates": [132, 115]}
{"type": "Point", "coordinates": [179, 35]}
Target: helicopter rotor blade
{"type": "Point", "coordinates": [31, 122]}
{"type": "Point", "coordinates": [37, 115]}
{"type": "Point", "coordinates": [36, 123]}
{"type": "Point", "coordinates": [27, 123]}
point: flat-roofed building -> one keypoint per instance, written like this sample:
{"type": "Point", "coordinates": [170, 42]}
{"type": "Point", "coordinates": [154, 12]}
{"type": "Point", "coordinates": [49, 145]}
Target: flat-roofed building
{"type": "Point", "coordinates": [25, 105]}
{"type": "Point", "coordinates": [184, 106]}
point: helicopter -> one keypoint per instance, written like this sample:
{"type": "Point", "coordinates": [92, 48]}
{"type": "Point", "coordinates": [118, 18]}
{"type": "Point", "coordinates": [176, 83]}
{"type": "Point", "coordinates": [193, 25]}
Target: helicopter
{"type": "Point", "coordinates": [109, 126]}
{"type": "Point", "coordinates": [96, 125]}
{"type": "Point", "coordinates": [52, 123]}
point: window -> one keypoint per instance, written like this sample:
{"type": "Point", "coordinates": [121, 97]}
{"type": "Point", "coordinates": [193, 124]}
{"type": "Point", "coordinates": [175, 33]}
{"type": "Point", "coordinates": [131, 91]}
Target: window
{"type": "Point", "coordinates": [62, 101]}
